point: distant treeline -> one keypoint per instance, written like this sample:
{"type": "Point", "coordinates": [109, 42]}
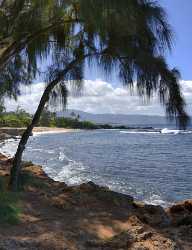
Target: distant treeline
{"type": "Point", "coordinates": [20, 118]}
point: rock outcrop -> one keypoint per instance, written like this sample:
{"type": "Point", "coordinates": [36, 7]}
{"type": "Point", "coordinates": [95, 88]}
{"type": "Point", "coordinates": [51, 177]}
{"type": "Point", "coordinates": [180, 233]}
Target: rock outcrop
{"type": "Point", "coordinates": [89, 217]}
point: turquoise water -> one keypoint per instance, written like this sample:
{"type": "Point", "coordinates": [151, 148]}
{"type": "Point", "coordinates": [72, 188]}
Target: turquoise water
{"type": "Point", "coordinates": [153, 167]}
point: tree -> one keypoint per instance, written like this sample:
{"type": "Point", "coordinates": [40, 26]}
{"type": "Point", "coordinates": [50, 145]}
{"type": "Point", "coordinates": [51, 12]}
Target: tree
{"type": "Point", "coordinates": [73, 114]}
{"type": "Point", "coordinates": [47, 118]}
{"type": "Point", "coordinates": [128, 36]}
{"type": "Point", "coordinates": [2, 108]}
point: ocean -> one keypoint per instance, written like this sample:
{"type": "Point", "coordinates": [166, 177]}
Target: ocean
{"type": "Point", "coordinates": [151, 166]}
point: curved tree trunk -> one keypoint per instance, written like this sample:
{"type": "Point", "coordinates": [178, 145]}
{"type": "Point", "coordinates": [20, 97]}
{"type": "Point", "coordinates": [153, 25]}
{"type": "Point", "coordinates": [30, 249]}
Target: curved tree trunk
{"type": "Point", "coordinates": [16, 168]}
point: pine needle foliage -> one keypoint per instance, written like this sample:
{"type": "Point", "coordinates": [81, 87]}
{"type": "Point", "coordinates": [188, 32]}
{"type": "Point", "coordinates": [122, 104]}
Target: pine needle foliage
{"type": "Point", "coordinates": [130, 37]}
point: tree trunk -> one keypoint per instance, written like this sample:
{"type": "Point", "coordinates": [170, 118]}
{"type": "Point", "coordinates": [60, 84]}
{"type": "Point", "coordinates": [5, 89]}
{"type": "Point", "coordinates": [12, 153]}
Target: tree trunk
{"type": "Point", "coordinates": [16, 168]}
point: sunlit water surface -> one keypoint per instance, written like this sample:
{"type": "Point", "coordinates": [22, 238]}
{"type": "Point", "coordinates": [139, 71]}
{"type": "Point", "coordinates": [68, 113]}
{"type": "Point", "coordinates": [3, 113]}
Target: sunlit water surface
{"type": "Point", "coordinates": [153, 167]}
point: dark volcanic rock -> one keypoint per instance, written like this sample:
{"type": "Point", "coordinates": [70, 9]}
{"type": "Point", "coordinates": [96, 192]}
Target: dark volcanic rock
{"type": "Point", "coordinates": [4, 136]}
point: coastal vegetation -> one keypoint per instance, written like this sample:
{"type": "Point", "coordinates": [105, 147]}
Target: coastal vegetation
{"type": "Point", "coordinates": [73, 34]}
{"type": "Point", "coordinates": [22, 119]}
{"type": "Point", "coordinates": [19, 119]}
{"type": "Point", "coordinates": [9, 209]}
{"type": "Point", "coordinates": [53, 41]}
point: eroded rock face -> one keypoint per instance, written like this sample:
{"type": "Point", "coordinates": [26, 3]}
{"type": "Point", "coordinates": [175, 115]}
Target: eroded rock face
{"type": "Point", "coordinates": [104, 193]}
{"type": "Point", "coordinates": [182, 207]}
{"type": "Point", "coordinates": [90, 217]}
{"type": "Point", "coordinates": [155, 216]}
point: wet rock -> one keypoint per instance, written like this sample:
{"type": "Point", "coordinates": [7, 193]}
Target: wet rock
{"type": "Point", "coordinates": [154, 215]}
{"type": "Point", "coordinates": [4, 136]}
{"type": "Point", "coordinates": [91, 186]}
{"type": "Point", "coordinates": [12, 131]}
{"type": "Point", "coordinates": [103, 194]}
{"type": "Point", "coordinates": [182, 207]}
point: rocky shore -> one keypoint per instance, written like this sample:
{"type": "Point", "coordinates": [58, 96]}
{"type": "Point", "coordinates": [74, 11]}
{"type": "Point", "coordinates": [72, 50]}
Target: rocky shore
{"type": "Point", "coordinates": [6, 132]}
{"type": "Point", "coordinates": [89, 217]}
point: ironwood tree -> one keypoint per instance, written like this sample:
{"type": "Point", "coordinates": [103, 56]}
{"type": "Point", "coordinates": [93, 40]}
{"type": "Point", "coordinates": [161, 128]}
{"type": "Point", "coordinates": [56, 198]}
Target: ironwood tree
{"type": "Point", "coordinates": [129, 37]}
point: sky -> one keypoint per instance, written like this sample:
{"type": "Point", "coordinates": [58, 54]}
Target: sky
{"type": "Point", "coordinates": [106, 95]}
{"type": "Point", "coordinates": [99, 97]}
{"type": "Point", "coordinates": [180, 18]}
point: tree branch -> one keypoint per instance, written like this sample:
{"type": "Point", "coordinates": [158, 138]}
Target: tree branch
{"type": "Point", "coordinates": [17, 46]}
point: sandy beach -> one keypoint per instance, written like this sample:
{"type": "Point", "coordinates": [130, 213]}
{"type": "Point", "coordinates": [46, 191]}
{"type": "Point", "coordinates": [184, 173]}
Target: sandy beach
{"type": "Point", "coordinates": [46, 130]}
{"type": "Point", "coordinates": [37, 130]}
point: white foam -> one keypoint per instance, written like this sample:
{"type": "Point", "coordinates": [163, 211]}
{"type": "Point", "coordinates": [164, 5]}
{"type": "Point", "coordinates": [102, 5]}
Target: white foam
{"type": "Point", "coordinates": [62, 157]}
{"type": "Point", "coordinates": [156, 200]}
{"type": "Point", "coordinates": [140, 132]}
{"type": "Point", "coordinates": [175, 131]}
{"type": "Point", "coordinates": [71, 173]}
{"type": "Point", "coordinates": [163, 131]}
{"type": "Point", "coordinates": [49, 132]}
{"type": "Point", "coordinates": [170, 131]}
{"type": "Point", "coordinates": [9, 147]}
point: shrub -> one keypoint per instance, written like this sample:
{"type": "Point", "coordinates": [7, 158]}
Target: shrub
{"type": "Point", "coordinates": [9, 210]}
{"type": "Point", "coordinates": [28, 179]}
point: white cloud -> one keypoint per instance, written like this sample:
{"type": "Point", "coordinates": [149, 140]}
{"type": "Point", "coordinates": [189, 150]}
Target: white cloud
{"type": "Point", "coordinates": [99, 97]}
{"type": "Point", "coordinates": [29, 99]}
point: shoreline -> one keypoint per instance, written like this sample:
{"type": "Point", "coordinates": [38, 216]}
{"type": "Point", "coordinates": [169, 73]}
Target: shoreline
{"type": "Point", "coordinates": [49, 130]}
{"type": "Point", "coordinates": [18, 131]}
{"type": "Point", "coordinates": [90, 217]}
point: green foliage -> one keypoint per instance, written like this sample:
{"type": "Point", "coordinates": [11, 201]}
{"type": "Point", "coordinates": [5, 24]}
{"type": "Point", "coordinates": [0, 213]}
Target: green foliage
{"type": "Point", "coordinates": [47, 119]}
{"type": "Point", "coordinates": [9, 209]}
{"type": "Point", "coordinates": [20, 118]}
{"type": "Point", "coordinates": [74, 123]}
{"type": "Point", "coordinates": [125, 36]}
{"type": "Point", "coordinates": [28, 179]}
{"type": "Point", "coordinates": [2, 183]}
{"type": "Point", "coordinates": [2, 108]}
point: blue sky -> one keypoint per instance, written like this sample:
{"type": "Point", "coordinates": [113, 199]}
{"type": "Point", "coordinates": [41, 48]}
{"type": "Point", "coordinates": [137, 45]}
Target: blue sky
{"type": "Point", "coordinates": [180, 18]}
{"type": "Point", "coordinates": [106, 95]}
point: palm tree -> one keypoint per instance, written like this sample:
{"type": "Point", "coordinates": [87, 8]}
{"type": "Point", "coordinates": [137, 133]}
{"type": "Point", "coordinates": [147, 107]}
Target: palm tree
{"type": "Point", "coordinates": [129, 37]}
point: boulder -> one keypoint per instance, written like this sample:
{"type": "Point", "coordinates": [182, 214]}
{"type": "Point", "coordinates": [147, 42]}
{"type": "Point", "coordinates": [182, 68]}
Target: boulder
{"type": "Point", "coordinates": [105, 195]}
{"type": "Point", "coordinates": [182, 207]}
{"type": "Point", "coordinates": [4, 136]}
{"type": "Point", "coordinates": [154, 215]}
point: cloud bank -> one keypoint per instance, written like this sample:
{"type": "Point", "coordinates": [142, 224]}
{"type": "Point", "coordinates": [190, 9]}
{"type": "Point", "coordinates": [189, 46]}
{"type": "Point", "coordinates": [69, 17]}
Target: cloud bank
{"type": "Point", "coordinates": [100, 97]}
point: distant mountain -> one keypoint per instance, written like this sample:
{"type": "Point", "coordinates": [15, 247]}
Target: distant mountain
{"type": "Point", "coordinates": [119, 119]}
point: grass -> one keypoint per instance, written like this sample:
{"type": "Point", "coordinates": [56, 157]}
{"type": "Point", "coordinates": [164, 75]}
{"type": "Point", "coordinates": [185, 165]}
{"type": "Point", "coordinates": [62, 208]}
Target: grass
{"type": "Point", "coordinates": [10, 202]}
{"type": "Point", "coordinates": [28, 179]}
{"type": "Point", "coordinates": [9, 209]}
{"type": "Point", "coordinates": [2, 183]}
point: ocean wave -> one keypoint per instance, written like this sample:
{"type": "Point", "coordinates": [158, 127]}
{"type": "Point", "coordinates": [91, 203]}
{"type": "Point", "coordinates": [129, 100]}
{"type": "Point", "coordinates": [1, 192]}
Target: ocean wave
{"type": "Point", "coordinates": [61, 165]}
{"type": "Point", "coordinates": [47, 132]}
{"type": "Point", "coordinates": [72, 173]}
{"type": "Point", "coordinates": [9, 146]}
{"type": "Point", "coordinates": [140, 132]}
{"type": "Point", "coordinates": [175, 131]}
{"type": "Point", "coordinates": [158, 132]}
